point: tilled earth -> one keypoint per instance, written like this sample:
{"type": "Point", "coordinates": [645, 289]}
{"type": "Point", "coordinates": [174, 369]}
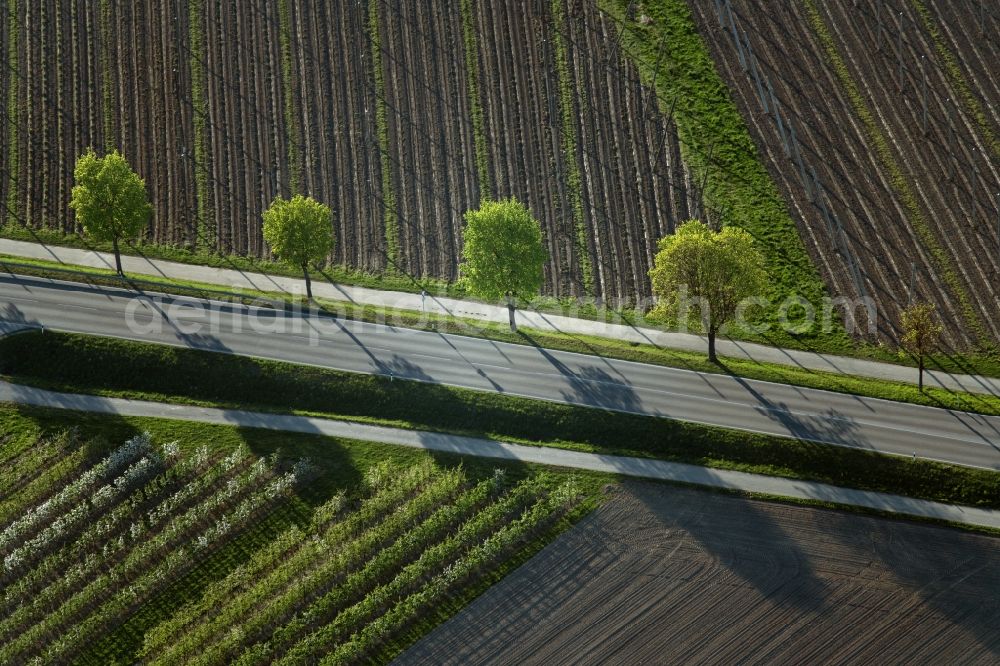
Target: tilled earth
{"type": "Point", "coordinates": [662, 574]}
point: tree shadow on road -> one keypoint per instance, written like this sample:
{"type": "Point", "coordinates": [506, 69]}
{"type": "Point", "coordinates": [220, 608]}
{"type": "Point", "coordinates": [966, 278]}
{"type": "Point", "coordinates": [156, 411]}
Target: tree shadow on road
{"type": "Point", "coordinates": [13, 319]}
{"type": "Point", "coordinates": [593, 386]}
{"type": "Point", "coordinates": [827, 427]}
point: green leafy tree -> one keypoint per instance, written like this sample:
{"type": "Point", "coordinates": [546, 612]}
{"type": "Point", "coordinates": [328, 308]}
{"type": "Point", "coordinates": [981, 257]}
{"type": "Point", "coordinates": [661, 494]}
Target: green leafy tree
{"type": "Point", "coordinates": [109, 199]}
{"type": "Point", "coordinates": [503, 253]}
{"type": "Point", "coordinates": [718, 270]}
{"type": "Point", "coordinates": [921, 334]}
{"type": "Point", "coordinates": [300, 231]}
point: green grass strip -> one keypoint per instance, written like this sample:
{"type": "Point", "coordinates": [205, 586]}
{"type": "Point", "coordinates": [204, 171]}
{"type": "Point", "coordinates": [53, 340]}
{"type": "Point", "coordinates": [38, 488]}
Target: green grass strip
{"type": "Point", "coordinates": [382, 130]}
{"type": "Point", "coordinates": [13, 70]}
{"type": "Point", "coordinates": [110, 142]}
{"type": "Point", "coordinates": [475, 103]}
{"type": "Point", "coordinates": [569, 143]}
{"type": "Point", "coordinates": [957, 78]}
{"type": "Point", "coordinates": [205, 230]}
{"type": "Point", "coordinates": [292, 133]}
{"type": "Point", "coordinates": [916, 217]}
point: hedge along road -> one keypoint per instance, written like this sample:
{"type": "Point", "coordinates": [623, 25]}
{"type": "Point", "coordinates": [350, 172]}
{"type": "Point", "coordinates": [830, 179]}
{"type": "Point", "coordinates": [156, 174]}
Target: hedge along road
{"type": "Point", "coordinates": [719, 400]}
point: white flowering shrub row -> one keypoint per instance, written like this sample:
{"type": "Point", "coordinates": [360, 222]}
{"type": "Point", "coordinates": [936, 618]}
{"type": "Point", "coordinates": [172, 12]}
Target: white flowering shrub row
{"type": "Point", "coordinates": [106, 539]}
{"type": "Point", "coordinates": [36, 518]}
{"type": "Point", "coordinates": [70, 522]}
{"type": "Point", "coordinates": [153, 520]}
{"type": "Point", "coordinates": [291, 558]}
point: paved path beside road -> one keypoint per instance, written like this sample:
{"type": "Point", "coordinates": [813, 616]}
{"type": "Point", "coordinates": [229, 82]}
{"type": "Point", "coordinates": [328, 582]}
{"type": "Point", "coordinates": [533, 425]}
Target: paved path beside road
{"type": "Point", "coordinates": [238, 279]}
{"type": "Point", "coordinates": [486, 448]}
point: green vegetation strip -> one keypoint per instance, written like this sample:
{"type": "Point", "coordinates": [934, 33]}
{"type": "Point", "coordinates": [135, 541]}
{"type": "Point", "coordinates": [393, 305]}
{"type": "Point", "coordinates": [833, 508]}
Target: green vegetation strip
{"type": "Point", "coordinates": [569, 142]}
{"type": "Point", "coordinates": [475, 102]}
{"type": "Point", "coordinates": [13, 78]}
{"type": "Point", "coordinates": [127, 369]}
{"type": "Point", "coordinates": [957, 78]}
{"type": "Point", "coordinates": [292, 133]}
{"type": "Point", "coordinates": [918, 221]}
{"type": "Point", "coordinates": [204, 225]}
{"type": "Point", "coordinates": [382, 130]}
{"type": "Point", "coordinates": [706, 115]}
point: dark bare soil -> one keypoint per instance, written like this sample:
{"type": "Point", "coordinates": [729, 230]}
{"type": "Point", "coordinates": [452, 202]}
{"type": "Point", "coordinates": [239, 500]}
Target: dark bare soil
{"type": "Point", "coordinates": [668, 575]}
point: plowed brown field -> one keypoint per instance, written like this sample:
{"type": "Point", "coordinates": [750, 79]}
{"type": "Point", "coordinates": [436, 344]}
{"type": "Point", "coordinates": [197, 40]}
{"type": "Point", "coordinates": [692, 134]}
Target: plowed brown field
{"type": "Point", "coordinates": [667, 575]}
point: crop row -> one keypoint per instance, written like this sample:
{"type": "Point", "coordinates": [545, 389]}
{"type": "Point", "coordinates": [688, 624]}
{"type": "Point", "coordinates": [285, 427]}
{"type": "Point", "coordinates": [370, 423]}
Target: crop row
{"type": "Point", "coordinates": [143, 534]}
{"type": "Point", "coordinates": [313, 590]}
{"type": "Point", "coordinates": [272, 570]}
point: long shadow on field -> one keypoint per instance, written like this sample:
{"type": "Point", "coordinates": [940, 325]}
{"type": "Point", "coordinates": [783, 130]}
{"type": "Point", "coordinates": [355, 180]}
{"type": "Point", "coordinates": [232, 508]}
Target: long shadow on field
{"type": "Point", "coordinates": [750, 544]}
{"type": "Point", "coordinates": [955, 573]}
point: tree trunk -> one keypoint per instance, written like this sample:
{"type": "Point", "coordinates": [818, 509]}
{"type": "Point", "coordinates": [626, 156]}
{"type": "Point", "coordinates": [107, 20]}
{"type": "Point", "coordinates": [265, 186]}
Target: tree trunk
{"type": "Point", "coordinates": [920, 373]}
{"type": "Point", "coordinates": [118, 257]}
{"type": "Point", "coordinates": [510, 312]}
{"type": "Point", "coordinates": [305, 273]}
{"type": "Point", "coordinates": [711, 346]}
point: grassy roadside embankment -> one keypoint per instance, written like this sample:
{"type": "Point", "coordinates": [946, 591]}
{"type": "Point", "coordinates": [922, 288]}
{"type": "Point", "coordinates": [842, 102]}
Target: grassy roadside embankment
{"type": "Point", "coordinates": [127, 369]}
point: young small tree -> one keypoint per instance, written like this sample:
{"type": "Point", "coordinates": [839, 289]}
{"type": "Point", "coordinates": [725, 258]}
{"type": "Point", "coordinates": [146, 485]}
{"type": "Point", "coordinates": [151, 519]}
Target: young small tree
{"type": "Point", "coordinates": [109, 199]}
{"type": "Point", "coordinates": [503, 253]}
{"type": "Point", "coordinates": [300, 231]}
{"type": "Point", "coordinates": [921, 334]}
{"type": "Point", "coordinates": [718, 269]}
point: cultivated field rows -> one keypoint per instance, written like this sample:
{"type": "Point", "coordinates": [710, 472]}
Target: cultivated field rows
{"type": "Point", "coordinates": [369, 106]}
{"type": "Point", "coordinates": [660, 574]}
{"type": "Point", "coordinates": [187, 556]}
{"type": "Point", "coordinates": [916, 208]}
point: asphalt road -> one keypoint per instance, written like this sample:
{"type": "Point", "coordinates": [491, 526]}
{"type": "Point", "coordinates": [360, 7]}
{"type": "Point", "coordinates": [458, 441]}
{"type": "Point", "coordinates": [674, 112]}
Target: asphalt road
{"type": "Point", "coordinates": [818, 416]}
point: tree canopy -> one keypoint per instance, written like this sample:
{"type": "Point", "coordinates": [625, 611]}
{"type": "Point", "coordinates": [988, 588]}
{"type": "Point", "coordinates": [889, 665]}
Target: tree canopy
{"type": "Point", "coordinates": [721, 270]}
{"type": "Point", "coordinates": [503, 252]}
{"type": "Point", "coordinates": [109, 199]}
{"type": "Point", "coordinates": [921, 334]}
{"type": "Point", "coordinates": [300, 231]}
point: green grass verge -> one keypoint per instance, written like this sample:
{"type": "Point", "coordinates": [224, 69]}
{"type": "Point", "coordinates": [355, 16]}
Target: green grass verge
{"type": "Point", "coordinates": [11, 128]}
{"type": "Point", "coordinates": [206, 234]}
{"type": "Point", "coordinates": [128, 369]}
{"type": "Point", "coordinates": [568, 136]}
{"type": "Point", "coordinates": [292, 129]}
{"type": "Point", "coordinates": [382, 130]}
{"type": "Point", "coordinates": [471, 46]}
{"type": "Point", "coordinates": [583, 344]}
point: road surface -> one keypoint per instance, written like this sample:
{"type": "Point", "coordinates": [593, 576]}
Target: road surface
{"type": "Point", "coordinates": [818, 416]}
